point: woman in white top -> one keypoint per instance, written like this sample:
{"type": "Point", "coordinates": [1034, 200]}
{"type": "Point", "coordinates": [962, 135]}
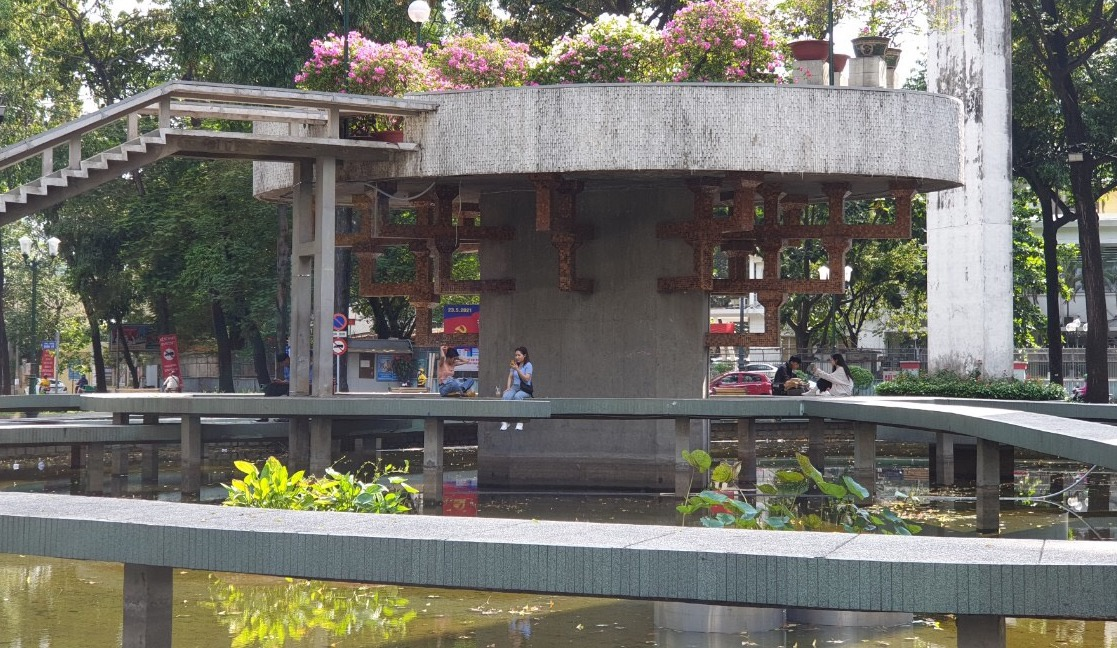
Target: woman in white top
{"type": "Point", "coordinates": [841, 381]}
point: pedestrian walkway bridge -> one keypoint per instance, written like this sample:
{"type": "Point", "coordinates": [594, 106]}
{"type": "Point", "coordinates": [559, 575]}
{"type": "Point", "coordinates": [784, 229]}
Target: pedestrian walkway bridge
{"type": "Point", "coordinates": [980, 580]}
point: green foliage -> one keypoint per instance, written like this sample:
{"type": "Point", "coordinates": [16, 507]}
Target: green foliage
{"type": "Point", "coordinates": [1028, 279]}
{"type": "Point", "coordinates": [952, 385]}
{"type": "Point", "coordinates": [268, 616]}
{"type": "Point", "coordinates": [611, 49]}
{"type": "Point", "coordinates": [273, 487]}
{"type": "Point", "coordinates": [781, 509]}
{"type": "Point", "coordinates": [862, 378]}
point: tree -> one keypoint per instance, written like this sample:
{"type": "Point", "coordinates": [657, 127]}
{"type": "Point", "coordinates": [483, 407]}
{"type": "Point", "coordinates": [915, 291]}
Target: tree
{"type": "Point", "coordinates": [1028, 276]}
{"type": "Point", "coordinates": [1070, 42]}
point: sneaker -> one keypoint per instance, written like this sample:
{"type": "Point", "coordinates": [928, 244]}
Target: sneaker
{"type": "Point", "coordinates": [519, 426]}
{"type": "Point", "coordinates": [503, 425]}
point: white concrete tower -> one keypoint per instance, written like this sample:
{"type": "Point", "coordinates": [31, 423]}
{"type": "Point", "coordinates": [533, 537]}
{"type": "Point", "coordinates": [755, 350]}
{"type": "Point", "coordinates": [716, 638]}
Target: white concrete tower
{"type": "Point", "coordinates": [969, 230]}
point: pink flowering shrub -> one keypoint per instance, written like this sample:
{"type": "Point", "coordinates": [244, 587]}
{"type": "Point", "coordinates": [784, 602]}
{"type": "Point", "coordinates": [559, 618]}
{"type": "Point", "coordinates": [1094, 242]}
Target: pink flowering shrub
{"type": "Point", "coordinates": [470, 61]}
{"type": "Point", "coordinates": [383, 69]}
{"type": "Point", "coordinates": [613, 49]}
{"type": "Point", "coordinates": [723, 40]}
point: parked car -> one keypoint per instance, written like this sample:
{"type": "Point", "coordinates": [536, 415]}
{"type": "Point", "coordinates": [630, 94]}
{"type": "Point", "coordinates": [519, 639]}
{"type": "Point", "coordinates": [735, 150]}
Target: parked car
{"type": "Point", "coordinates": [56, 387]}
{"type": "Point", "coordinates": [741, 383]}
{"type": "Point", "coordinates": [765, 368]}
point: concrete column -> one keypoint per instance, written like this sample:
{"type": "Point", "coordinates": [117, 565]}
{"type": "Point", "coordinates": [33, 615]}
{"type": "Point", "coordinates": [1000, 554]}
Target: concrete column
{"type": "Point", "coordinates": [120, 418]}
{"type": "Point", "coordinates": [151, 419]}
{"type": "Point", "coordinates": [298, 443]}
{"type": "Point", "coordinates": [433, 438]}
{"type": "Point", "coordinates": [969, 230]}
{"type": "Point", "coordinates": [746, 452]}
{"type": "Point", "coordinates": [75, 457]}
{"type": "Point", "coordinates": [149, 463]}
{"type": "Point", "coordinates": [148, 606]}
{"type": "Point", "coordinates": [1098, 492]}
{"type": "Point", "coordinates": [321, 444]}
{"type": "Point", "coordinates": [944, 459]}
{"type": "Point", "coordinates": [119, 454]}
{"type": "Point", "coordinates": [191, 430]}
{"type": "Point", "coordinates": [865, 457]}
{"type": "Point", "coordinates": [302, 266]}
{"type": "Point", "coordinates": [988, 487]}
{"type": "Point", "coordinates": [682, 468]}
{"type": "Point", "coordinates": [325, 186]}
{"type": "Point", "coordinates": [95, 469]}
{"type": "Point", "coordinates": [816, 442]}
{"type": "Point", "coordinates": [980, 631]}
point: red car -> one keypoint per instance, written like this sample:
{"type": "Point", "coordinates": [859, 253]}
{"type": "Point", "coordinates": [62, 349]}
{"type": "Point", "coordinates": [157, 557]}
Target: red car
{"type": "Point", "coordinates": [741, 383]}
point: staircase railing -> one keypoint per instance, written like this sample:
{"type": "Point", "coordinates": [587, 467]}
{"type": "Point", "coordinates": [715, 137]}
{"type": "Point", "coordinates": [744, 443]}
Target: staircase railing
{"type": "Point", "coordinates": [209, 101]}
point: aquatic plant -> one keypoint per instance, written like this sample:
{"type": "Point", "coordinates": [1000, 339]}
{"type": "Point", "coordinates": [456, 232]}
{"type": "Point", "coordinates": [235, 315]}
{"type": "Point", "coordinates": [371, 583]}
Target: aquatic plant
{"type": "Point", "coordinates": [273, 486]}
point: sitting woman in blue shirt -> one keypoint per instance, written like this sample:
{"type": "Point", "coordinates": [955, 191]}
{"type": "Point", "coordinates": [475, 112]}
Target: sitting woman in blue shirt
{"type": "Point", "coordinates": [518, 385]}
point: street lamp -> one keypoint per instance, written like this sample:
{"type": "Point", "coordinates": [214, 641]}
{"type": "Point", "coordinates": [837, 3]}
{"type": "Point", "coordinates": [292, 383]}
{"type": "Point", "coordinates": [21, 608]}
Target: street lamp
{"type": "Point", "coordinates": [419, 12]}
{"type": "Point", "coordinates": [33, 256]}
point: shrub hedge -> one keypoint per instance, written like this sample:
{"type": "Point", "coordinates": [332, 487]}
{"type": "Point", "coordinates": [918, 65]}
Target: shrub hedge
{"type": "Point", "coordinates": [951, 385]}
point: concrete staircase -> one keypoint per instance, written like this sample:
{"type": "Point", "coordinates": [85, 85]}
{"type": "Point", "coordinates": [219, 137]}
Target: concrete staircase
{"type": "Point", "coordinates": [92, 172]}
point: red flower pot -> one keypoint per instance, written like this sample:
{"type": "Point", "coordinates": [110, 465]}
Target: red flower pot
{"type": "Point", "coordinates": [810, 50]}
{"type": "Point", "coordinates": [840, 61]}
{"type": "Point", "coordinates": [392, 136]}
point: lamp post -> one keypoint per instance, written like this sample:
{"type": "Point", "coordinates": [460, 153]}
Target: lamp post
{"type": "Point", "coordinates": [33, 256]}
{"type": "Point", "coordinates": [419, 12]}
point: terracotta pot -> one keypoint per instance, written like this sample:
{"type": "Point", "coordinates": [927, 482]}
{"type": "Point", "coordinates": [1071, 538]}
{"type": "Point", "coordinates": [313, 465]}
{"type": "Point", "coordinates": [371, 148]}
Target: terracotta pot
{"type": "Point", "coordinates": [392, 136]}
{"type": "Point", "coordinates": [840, 61]}
{"type": "Point", "coordinates": [810, 50]}
{"type": "Point", "coordinates": [870, 45]}
{"type": "Point", "coordinates": [892, 57]}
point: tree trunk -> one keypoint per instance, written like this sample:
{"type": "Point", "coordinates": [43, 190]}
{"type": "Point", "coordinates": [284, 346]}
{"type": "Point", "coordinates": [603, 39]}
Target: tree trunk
{"type": "Point", "coordinates": [98, 354]}
{"type": "Point", "coordinates": [127, 355]}
{"type": "Point", "coordinates": [224, 349]}
{"type": "Point", "coordinates": [163, 322]}
{"type": "Point", "coordinates": [259, 354]}
{"type": "Point", "coordinates": [5, 357]}
{"type": "Point", "coordinates": [1051, 275]}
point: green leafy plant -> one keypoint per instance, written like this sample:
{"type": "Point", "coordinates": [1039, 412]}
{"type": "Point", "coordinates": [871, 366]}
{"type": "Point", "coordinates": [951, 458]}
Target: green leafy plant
{"type": "Point", "coordinates": [274, 487]}
{"type": "Point", "coordinates": [948, 384]}
{"type": "Point", "coordinates": [862, 378]}
{"type": "Point", "coordinates": [404, 368]}
{"type": "Point", "coordinates": [782, 508]}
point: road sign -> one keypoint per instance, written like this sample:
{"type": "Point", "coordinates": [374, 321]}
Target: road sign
{"type": "Point", "coordinates": [341, 322]}
{"type": "Point", "coordinates": [340, 346]}
{"type": "Point", "coordinates": [341, 334]}
{"type": "Point", "coordinates": [49, 345]}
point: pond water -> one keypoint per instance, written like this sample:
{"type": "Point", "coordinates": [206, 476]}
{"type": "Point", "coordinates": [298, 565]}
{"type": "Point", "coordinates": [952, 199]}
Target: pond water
{"type": "Point", "coordinates": [48, 603]}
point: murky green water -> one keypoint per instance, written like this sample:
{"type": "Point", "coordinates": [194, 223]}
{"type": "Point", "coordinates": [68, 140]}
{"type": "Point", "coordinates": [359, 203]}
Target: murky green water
{"type": "Point", "coordinates": [47, 603]}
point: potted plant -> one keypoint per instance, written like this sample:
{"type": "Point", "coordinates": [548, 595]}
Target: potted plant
{"type": "Point", "coordinates": [809, 22]}
{"type": "Point", "coordinates": [884, 20]}
{"type": "Point", "coordinates": [404, 369]}
{"type": "Point", "coordinates": [723, 40]}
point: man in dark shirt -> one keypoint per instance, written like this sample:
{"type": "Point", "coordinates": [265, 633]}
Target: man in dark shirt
{"type": "Point", "coordinates": [785, 373]}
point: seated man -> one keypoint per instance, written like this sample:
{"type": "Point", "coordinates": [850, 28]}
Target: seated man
{"type": "Point", "coordinates": [786, 383]}
{"type": "Point", "coordinates": [448, 385]}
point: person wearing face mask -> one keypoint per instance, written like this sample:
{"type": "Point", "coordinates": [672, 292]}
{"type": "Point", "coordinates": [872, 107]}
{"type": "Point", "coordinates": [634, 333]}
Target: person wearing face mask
{"type": "Point", "coordinates": [839, 378]}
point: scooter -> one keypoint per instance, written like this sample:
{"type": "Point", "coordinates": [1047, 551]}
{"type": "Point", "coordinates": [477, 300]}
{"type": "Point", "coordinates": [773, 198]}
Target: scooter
{"type": "Point", "coordinates": [1078, 394]}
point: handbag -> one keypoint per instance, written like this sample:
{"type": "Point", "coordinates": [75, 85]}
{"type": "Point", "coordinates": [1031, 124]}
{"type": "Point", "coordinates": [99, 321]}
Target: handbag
{"type": "Point", "coordinates": [527, 388]}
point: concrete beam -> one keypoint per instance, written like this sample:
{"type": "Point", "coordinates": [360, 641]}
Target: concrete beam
{"type": "Point", "coordinates": [149, 463]}
{"type": "Point", "coordinates": [148, 606]}
{"type": "Point", "coordinates": [682, 468]}
{"type": "Point", "coordinates": [95, 469]}
{"type": "Point", "coordinates": [433, 439]}
{"type": "Point", "coordinates": [119, 465]}
{"type": "Point", "coordinates": [298, 443]}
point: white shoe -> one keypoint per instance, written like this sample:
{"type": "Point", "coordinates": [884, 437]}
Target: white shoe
{"type": "Point", "coordinates": [519, 426]}
{"type": "Point", "coordinates": [504, 425]}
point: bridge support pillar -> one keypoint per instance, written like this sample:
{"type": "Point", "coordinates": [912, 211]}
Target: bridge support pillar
{"type": "Point", "coordinates": [147, 606]}
{"type": "Point", "coordinates": [988, 487]}
{"type": "Point", "coordinates": [433, 438]}
{"type": "Point", "coordinates": [95, 469]}
{"type": "Point", "coordinates": [944, 459]}
{"type": "Point", "coordinates": [682, 468]}
{"type": "Point", "coordinates": [298, 443]}
{"type": "Point", "coordinates": [120, 418]}
{"type": "Point", "coordinates": [816, 442]}
{"type": "Point", "coordinates": [865, 457]}
{"type": "Point", "coordinates": [981, 631]}
{"type": "Point", "coordinates": [75, 457]}
{"type": "Point", "coordinates": [149, 463]}
{"type": "Point", "coordinates": [151, 419]}
{"type": "Point", "coordinates": [746, 452]}
{"type": "Point", "coordinates": [119, 465]}
{"type": "Point", "coordinates": [1097, 492]}
{"type": "Point", "coordinates": [191, 431]}
{"type": "Point", "coordinates": [321, 443]}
